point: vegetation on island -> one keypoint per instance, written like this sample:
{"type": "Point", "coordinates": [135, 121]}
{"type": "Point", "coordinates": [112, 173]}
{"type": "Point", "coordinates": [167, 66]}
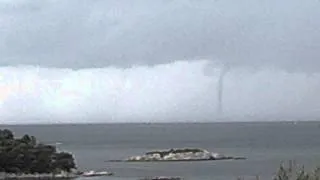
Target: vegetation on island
{"type": "Point", "coordinates": [26, 156]}
{"type": "Point", "coordinates": [175, 151]}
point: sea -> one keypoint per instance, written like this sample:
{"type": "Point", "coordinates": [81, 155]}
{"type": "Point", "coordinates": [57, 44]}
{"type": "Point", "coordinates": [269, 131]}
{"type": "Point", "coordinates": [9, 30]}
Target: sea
{"type": "Point", "coordinates": [265, 145]}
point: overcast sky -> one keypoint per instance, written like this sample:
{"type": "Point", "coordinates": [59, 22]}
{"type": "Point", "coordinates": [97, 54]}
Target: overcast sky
{"type": "Point", "coordinates": [121, 60]}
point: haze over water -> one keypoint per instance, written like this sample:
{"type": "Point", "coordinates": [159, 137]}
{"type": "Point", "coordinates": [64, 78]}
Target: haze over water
{"type": "Point", "coordinates": [265, 145]}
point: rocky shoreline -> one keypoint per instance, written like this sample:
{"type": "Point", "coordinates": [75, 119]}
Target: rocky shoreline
{"type": "Point", "coordinates": [47, 176]}
{"type": "Point", "coordinates": [5, 176]}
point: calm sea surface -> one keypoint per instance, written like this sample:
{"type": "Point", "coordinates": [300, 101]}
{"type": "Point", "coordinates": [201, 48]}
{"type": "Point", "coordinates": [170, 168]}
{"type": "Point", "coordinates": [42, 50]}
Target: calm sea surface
{"type": "Point", "coordinates": [264, 144]}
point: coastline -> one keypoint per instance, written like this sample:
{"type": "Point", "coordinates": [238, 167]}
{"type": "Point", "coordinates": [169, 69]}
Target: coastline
{"type": "Point", "coordinates": [4, 176]}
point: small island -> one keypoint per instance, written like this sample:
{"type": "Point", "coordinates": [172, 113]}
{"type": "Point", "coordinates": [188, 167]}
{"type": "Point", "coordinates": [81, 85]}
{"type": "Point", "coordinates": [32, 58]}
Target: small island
{"type": "Point", "coordinates": [26, 158]}
{"type": "Point", "coordinates": [184, 154]}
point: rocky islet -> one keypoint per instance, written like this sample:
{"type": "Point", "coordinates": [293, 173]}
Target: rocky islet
{"type": "Point", "coordinates": [181, 154]}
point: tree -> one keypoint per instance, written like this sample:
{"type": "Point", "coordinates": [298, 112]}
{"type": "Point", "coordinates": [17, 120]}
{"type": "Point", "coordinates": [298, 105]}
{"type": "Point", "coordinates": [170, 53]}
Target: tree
{"type": "Point", "coordinates": [64, 161]}
{"type": "Point", "coordinates": [6, 134]}
{"type": "Point", "coordinates": [26, 139]}
{"type": "Point", "coordinates": [25, 155]}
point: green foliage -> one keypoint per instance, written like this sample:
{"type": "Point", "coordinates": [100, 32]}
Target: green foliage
{"type": "Point", "coordinates": [175, 151]}
{"type": "Point", "coordinates": [293, 172]}
{"type": "Point", "coordinates": [6, 134]}
{"type": "Point", "coordinates": [25, 155]}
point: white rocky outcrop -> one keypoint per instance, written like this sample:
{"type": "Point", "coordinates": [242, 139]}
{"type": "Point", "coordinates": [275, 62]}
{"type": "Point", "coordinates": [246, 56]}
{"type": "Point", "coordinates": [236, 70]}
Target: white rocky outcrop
{"type": "Point", "coordinates": [186, 154]}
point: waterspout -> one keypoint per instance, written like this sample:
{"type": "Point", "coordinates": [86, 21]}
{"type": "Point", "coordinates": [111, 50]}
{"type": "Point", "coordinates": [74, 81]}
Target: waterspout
{"type": "Point", "coordinates": [222, 74]}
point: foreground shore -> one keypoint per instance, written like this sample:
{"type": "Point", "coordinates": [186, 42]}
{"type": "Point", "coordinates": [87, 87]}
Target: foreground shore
{"type": "Point", "coordinates": [62, 175]}
{"type": "Point", "coordinates": [4, 176]}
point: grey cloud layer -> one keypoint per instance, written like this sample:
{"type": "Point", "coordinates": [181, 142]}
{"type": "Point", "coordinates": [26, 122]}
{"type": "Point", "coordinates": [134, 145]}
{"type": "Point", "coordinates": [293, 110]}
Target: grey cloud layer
{"type": "Point", "coordinates": [84, 34]}
{"type": "Point", "coordinates": [154, 94]}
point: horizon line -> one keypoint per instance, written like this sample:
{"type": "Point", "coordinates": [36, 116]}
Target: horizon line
{"type": "Point", "coordinates": [164, 122]}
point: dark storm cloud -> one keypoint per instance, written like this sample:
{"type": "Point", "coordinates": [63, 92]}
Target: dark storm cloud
{"type": "Point", "coordinates": [84, 34]}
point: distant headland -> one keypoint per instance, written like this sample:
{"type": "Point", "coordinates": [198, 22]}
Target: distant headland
{"type": "Point", "coordinates": [25, 157]}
